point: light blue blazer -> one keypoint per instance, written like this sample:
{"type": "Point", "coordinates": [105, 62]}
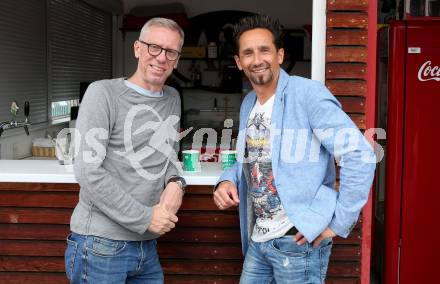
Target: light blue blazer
{"type": "Point", "coordinates": [309, 130]}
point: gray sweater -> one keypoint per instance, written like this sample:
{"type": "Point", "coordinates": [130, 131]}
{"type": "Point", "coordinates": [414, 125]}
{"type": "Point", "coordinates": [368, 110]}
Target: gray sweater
{"type": "Point", "coordinates": [124, 159]}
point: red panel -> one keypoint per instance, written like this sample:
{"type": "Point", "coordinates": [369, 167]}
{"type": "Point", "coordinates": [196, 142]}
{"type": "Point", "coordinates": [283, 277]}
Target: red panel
{"type": "Point", "coordinates": [420, 192]}
{"type": "Point", "coordinates": [370, 113]}
{"type": "Point", "coordinates": [423, 33]}
{"type": "Point", "coordinates": [396, 90]}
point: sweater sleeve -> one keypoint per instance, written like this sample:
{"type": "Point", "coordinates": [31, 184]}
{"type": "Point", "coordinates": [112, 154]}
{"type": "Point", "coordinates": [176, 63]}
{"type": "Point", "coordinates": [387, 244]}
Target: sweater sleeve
{"type": "Point", "coordinates": [95, 121]}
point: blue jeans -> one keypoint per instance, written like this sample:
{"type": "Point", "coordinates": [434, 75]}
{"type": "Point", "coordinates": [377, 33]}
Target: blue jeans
{"type": "Point", "coordinates": [282, 261]}
{"type": "Point", "coordinates": [91, 259]}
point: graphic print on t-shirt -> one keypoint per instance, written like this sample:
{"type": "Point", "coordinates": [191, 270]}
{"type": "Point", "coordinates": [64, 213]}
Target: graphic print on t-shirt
{"type": "Point", "coordinates": [271, 219]}
{"type": "Point", "coordinates": [263, 192]}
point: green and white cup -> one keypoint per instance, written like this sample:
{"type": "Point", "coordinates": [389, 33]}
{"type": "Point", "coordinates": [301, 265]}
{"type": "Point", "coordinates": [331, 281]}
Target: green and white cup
{"type": "Point", "coordinates": [228, 158]}
{"type": "Point", "coordinates": [191, 161]}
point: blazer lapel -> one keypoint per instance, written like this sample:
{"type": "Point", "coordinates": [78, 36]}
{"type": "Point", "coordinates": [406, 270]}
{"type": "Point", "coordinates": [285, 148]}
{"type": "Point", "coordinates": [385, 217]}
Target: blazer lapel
{"type": "Point", "coordinates": [277, 120]}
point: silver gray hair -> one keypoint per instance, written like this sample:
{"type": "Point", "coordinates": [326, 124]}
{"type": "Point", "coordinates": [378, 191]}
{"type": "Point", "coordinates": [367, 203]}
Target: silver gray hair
{"type": "Point", "coordinates": [165, 23]}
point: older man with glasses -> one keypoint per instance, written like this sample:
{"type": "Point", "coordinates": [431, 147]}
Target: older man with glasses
{"type": "Point", "coordinates": [127, 167]}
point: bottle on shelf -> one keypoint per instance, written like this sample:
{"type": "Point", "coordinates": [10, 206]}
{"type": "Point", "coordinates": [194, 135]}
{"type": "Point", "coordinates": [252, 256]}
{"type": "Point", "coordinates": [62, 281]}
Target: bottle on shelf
{"type": "Point", "coordinates": [195, 73]}
{"type": "Point", "coordinates": [212, 50]}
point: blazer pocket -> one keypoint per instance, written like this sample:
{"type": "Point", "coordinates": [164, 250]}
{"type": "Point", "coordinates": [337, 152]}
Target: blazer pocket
{"type": "Point", "coordinates": [324, 202]}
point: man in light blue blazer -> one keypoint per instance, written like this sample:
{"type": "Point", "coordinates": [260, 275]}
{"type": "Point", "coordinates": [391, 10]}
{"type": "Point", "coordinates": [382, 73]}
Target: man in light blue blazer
{"type": "Point", "coordinates": [291, 131]}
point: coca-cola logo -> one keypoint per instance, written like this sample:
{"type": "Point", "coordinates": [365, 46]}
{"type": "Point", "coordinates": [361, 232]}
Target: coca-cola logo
{"type": "Point", "coordinates": [428, 72]}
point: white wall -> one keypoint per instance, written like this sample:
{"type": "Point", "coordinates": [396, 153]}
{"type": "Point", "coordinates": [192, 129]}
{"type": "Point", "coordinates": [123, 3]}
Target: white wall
{"type": "Point", "coordinates": [291, 13]}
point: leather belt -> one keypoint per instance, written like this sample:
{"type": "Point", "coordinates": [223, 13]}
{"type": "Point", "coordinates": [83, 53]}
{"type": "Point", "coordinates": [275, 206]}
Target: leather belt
{"type": "Point", "coordinates": [292, 231]}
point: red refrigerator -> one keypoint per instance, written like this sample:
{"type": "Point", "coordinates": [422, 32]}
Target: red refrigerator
{"type": "Point", "coordinates": [407, 197]}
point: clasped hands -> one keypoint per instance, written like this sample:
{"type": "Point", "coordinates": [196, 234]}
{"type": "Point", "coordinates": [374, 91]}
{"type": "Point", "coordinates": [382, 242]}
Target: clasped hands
{"type": "Point", "coordinates": [164, 214]}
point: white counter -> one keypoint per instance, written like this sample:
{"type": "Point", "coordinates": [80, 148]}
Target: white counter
{"type": "Point", "coordinates": [50, 171]}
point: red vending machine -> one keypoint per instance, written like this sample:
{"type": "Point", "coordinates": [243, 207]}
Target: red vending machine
{"type": "Point", "coordinates": [407, 198]}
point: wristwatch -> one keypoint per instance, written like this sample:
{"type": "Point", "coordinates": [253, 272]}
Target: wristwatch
{"type": "Point", "coordinates": [180, 182]}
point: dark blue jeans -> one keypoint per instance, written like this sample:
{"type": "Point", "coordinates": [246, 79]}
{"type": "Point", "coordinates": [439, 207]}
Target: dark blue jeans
{"type": "Point", "coordinates": [282, 261]}
{"type": "Point", "coordinates": [91, 259]}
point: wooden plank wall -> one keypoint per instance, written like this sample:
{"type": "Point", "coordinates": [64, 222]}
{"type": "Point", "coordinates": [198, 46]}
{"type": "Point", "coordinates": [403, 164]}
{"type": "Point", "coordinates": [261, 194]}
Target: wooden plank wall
{"type": "Point", "coordinates": [34, 222]}
{"type": "Point", "coordinates": [204, 247]}
{"type": "Point", "coordinates": [346, 77]}
{"type": "Point", "coordinates": [346, 55]}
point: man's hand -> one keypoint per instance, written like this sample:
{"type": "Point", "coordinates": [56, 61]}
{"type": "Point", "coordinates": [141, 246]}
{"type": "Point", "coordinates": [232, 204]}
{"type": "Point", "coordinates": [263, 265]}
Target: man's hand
{"type": "Point", "coordinates": [226, 195]}
{"type": "Point", "coordinates": [171, 197]}
{"type": "Point", "coordinates": [327, 233]}
{"type": "Point", "coordinates": [162, 220]}
{"type": "Point", "coordinates": [300, 239]}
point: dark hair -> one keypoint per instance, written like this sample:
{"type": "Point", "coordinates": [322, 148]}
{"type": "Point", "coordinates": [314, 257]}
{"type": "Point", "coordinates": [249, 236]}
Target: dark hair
{"type": "Point", "coordinates": [255, 22]}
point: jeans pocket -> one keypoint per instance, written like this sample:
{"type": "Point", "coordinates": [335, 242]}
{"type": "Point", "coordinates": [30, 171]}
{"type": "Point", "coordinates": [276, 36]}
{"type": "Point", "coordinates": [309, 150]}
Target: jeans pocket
{"type": "Point", "coordinates": [105, 247]}
{"type": "Point", "coordinates": [287, 246]}
{"type": "Point", "coordinates": [69, 256]}
{"type": "Point", "coordinates": [324, 256]}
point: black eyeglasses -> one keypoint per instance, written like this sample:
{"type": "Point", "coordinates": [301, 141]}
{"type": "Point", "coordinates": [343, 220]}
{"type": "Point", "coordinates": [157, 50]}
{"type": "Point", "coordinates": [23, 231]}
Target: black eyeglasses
{"type": "Point", "coordinates": [156, 50]}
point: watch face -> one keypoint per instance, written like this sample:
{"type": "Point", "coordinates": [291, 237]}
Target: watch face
{"type": "Point", "coordinates": [179, 180]}
{"type": "Point", "coordinates": [179, 183]}
{"type": "Point", "coordinates": [182, 183]}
